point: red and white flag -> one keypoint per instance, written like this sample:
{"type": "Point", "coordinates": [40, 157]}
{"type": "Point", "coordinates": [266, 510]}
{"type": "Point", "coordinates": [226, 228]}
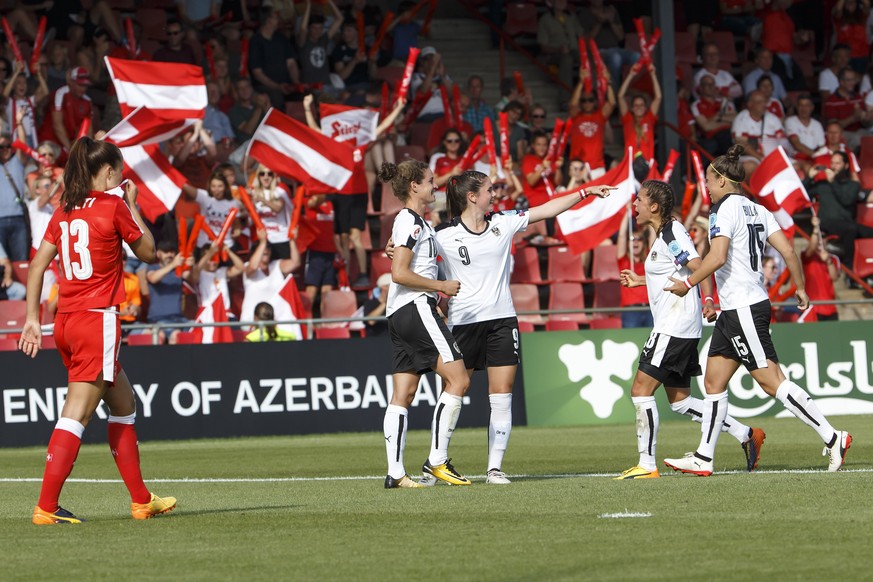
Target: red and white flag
{"type": "Point", "coordinates": [300, 153]}
{"type": "Point", "coordinates": [344, 123]}
{"type": "Point", "coordinates": [776, 177]}
{"type": "Point", "coordinates": [287, 306]}
{"type": "Point", "coordinates": [159, 183]}
{"type": "Point", "coordinates": [170, 90]}
{"type": "Point", "coordinates": [782, 218]}
{"type": "Point", "coordinates": [143, 127]}
{"type": "Point", "coordinates": [595, 219]}
{"type": "Point", "coordinates": [213, 312]}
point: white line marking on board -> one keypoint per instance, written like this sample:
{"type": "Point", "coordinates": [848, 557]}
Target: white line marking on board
{"type": "Point", "coordinates": [375, 477]}
{"type": "Point", "coordinates": [623, 515]}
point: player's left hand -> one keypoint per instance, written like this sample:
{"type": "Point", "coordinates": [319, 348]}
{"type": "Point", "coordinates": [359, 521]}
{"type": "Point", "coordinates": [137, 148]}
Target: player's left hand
{"type": "Point", "coordinates": [31, 338]}
{"type": "Point", "coordinates": [389, 248]}
{"type": "Point", "coordinates": [600, 191]}
{"type": "Point", "coordinates": [709, 312]}
{"type": "Point", "coordinates": [802, 299]}
{"type": "Point", "coordinates": [677, 288]}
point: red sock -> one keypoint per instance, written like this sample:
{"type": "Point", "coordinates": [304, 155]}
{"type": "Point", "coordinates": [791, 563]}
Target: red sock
{"type": "Point", "coordinates": [125, 449]}
{"type": "Point", "coordinates": [62, 451]}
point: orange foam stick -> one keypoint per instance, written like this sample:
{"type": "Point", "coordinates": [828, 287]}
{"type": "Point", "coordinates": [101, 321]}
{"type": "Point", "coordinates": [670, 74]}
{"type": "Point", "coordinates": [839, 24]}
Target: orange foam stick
{"type": "Point", "coordinates": [362, 44]}
{"type": "Point", "coordinates": [488, 130]}
{"type": "Point", "coordinates": [37, 42]}
{"type": "Point", "coordinates": [407, 73]}
{"type": "Point", "coordinates": [467, 160]}
{"type": "Point", "coordinates": [380, 34]}
{"type": "Point", "coordinates": [519, 82]}
{"type": "Point", "coordinates": [250, 208]}
{"type": "Point", "coordinates": [10, 38]}
{"type": "Point", "coordinates": [183, 244]}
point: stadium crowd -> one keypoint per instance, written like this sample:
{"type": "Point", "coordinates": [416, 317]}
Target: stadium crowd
{"type": "Point", "coordinates": [750, 80]}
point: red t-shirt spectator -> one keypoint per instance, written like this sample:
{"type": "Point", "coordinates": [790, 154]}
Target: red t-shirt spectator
{"type": "Point", "coordinates": [322, 218]}
{"type": "Point", "coordinates": [586, 139]}
{"type": "Point", "coordinates": [778, 33]}
{"type": "Point", "coordinates": [636, 295]}
{"type": "Point", "coordinates": [74, 109]}
{"type": "Point", "coordinates": [854, 35]}
{"type": "Point", "coordinates": [819, 286]}
{"type": "Point", "coordinates": [536, 194]}
{"type": "Point", "coordinates": [642, 139]}
{"type": "Point", "coordinates": [840, 107]}
{"type": "Point", "coordinates": [444, 164]}
{"type": "Point", "coordinates": [89, 248]}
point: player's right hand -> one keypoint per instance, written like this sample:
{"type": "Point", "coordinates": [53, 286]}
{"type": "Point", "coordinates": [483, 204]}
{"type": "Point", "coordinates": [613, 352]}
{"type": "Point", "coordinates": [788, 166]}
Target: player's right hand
{"type": "Point", "coordinates": [450, 288]}
{"type": "Point", "coordinates": [31, 338]}
{"type": "Point", "coordinates": [130, 193]}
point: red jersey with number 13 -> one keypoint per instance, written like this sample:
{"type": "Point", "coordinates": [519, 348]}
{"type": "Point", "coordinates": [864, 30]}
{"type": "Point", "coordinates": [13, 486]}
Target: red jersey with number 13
{"type": "Point", "coordinates": [89, 248]}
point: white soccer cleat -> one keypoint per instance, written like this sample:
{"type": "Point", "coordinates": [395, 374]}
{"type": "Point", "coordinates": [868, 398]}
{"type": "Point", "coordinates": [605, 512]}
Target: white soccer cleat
{"type": "Point", "coordinates": [497, 477]}
{"type": "Point", "coordinates": [837, 453]}
{"type": "Point", "coordinates": [692, 464]}
{"type": "Point", "coordinates": [427, 479]}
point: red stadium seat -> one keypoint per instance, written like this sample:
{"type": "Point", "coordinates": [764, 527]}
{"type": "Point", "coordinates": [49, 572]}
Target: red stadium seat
{"type": "Point", "coordinates": [865, 157]}
{"type": "Point", "coordinates": [12, 314]}
{"type": "Point", "coordinates": [140, 339]}
{"type": "Point", "coordinates": [564, 265]}
{"type": "Point", "coordinates": [186, 337]}
{"type": "Point", "coordinates": [527, 267]}
{"type": "Point", "coordinates": [418, 134]}
{"type": "Point", "coordinates": [521, 19]}
{"type": "Point", "coordinates": [379, 265]}
{"type": "Point", "coordinates": [604, 265]}
{"type": "Point", "coordinates": [525, 327]}
{"type": "Point", "coordinates": [863, 265]}
{"type": "Point", "coordinates": [866, 178]}
{"type": "Point", "coordinates": [386, 223]}
{"type": "Point", "coordinates": [391, 204]}
{"type": "Point", "coordinates": [410, 152]}
{"type": "Point", "coordinates": [561, 325]}
{"type": "Point", "coordinates": [865, 214]}
{"type": "Point", "coordinates": [336, 304]}
{"type": "Point", "coordinates": [686, 49]}
{"type": "Point", "coordinates": [8, 345]}
{"type": "Point", "coordinates": [332, 333]}
{"type": "Point", "coordinates": [239, 335]}
{"type": "Point", "coordinates": [567, 296]}
{"type": "Point", "coordinates": [525, 297]}
{"type": "Point", "coordinates": [390, 74]}
{"type": "Point", "coordinates": [607, 294]}
{"type": "Point", "coordinates": [19, 271]}
{"type": "Point", "coordinates": [606, 323]}
{"type": "Point", "coordinates": [48, 342]}
{"type": "Point", "coordinates": [727, 49]}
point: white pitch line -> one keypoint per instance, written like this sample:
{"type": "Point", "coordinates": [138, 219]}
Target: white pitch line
{"type": "Point", "coordinates": [378, 477]}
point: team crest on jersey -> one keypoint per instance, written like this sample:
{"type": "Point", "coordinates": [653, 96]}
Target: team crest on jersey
{"type": "Point", "coordinates": [654, 255]}
{"type": "Point", "coordinates": [713, 229]}
{"type": "Point", "coordinates": [496, 231]}
{"type": "Point", "coordinates": [416, 233]}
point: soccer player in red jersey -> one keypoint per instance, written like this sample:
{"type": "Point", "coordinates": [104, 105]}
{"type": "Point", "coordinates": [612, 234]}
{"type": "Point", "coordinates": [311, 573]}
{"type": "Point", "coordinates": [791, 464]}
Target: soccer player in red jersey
{"type": "Point", "coordinates": [86, 233]}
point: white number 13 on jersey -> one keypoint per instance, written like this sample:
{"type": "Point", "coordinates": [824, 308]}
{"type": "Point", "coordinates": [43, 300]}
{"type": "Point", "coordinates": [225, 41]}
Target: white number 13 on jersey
{"type": "Point", "coordinates": [83, 269]}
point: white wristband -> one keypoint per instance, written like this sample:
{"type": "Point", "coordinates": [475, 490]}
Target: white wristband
{"type": "Point", "coordinates": [708, 298]}
{"type": "Point", "coordinates": [582, 194]}
{"type": "Point", "coordinates": [688, 283]}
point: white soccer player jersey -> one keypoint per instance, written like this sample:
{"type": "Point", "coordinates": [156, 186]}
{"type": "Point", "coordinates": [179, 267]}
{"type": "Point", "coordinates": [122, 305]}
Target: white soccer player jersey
{"type": "Point", "coordinates": [674, 316]}
{"type": "Point", "coordinates": [481, 262]}
{"type": "Point", "coordinates": [748, 226]}
{"type": "Point", "coordinates": [411, 231]}
{"type": "Point", "coordinates": [767, 132]}
{"type": "Point", "coordinates": [812, 135]}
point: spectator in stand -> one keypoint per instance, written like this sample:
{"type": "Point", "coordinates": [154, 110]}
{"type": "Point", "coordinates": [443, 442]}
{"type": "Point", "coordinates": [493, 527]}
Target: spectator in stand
{"type": "Point", "coordinates": [850, 20]}
{"type": "Point", "coordinates": [577, 176]}
{"type": "Point", "coordinates": [9, 289]}
{"type": "Point", "coordinates": [828, 82]}
{"type": "Point", "coordinates": [272, 60]}
{"type": "Point", "coordinates": [92, 56]}
{"type": "Point", "coordinates": [509, 93]}
{"type": "Point", "coordinates": [538, 120]}
{"type": "Point", "coordinates": [271, 332]}
{"type": "Point", "coordinates": [764, 60]}
{"type": "Point", "coordinates": [846, 106]}
{"type": "Point", "coordinates": [165, 288]}
{"type": "Point", "coordinates": [633, 296]}
{"type": "Point", "coordinates": [838, 195]}
{"type": "Point", "coordinates": [404, 33]}
{"type": "Point", "coordinates": [713, 116]}
{"type": "Point", "coordinates": [834, 142]}
{"type": "Point", "coordinates": [757, 130]}
{"type": "Point", "coordinates": [13, 225]}
{"type": "Point", "coordinates": [314, 45]}
{"type": "Point", "coordinates": [59, 66]}
{"type": "Point", "coordinates": [640, 118]}
{"type": "Point", "coordinates": [176, 50]}
{"type": "Point", "coordinates": [39, 209]}
{"type": "Point", "coordinates": [429, 75]}
{"type": "Point", "coordinates": [352, 64]}
{"type": "Point", "coordinates": [69, 19]}
{"type": "Point", "coordinates": [738, 17]}
{"type": "Point", "coordinates": [382, 150]}
{"type": "Point", "coordinates": [131, 308]}
{"type": "Point", "coordinates": [608, 32]}
{"type": "Point", "coordinates": [226, 87]}
{"type": "Point", "coordinates": [214, 120]}
{"type": "Point", "coordinates": [588, 126]}
{"type": "Point", "coordinates": [210, 275]}
{"type": "Point", "coordinates": [477, 108]}
{"type": "Point", "coordinates": [20, 99]}
{"type": "Point", "coordinates": [375, 307]}
{"type": "Point", "coordinates": [774, 105]}
{"type": "Point", "coordinates": [214, 206]}
{"type": "Point", "coordinates": [558, 34]}
{"type": "Point", "coordinates": [444, 163]}
{"type": "Point", "coordinates": [248, 111]}
{"type": "Point", "coordinates": [518, 135]}
{"type": "Point", "coordinates": [820, 270]}
{"type": "Point", "coordinates": [263, 277]}
{"type": "Point", "coordinates": [196, 15]}
{"type": "Point", "coordinates": [193, 153]}
{"type": "Point", "coordinates": [122, 49]}
{"type": "Point", "coordinates": [724, 81]}
{"type": "Point", "coordinates": [320, 275]}
{"type": "Point", "coordinates": [700, 16]}
{"type": "Point", "coordinates": [805, 133]}
{"type": "Point", "coordinates": [535, 169]}
{"type": "Point", "coordinates": [780, 37]}
{"type": "Point", "coordinates": [69, 108]}
{"type": "Point", "coordinates": [273, 204]}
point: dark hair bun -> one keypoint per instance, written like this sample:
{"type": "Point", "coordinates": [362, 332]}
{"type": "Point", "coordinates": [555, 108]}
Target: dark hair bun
{"type": "Point", "coordinates": [734, 152]}
{"type": "Point", "coordinates": [387, 172]}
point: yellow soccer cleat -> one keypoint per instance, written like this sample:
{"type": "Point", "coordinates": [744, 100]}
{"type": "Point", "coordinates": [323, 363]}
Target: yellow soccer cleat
{"type": "Point", "coordinates": [403, 483]}
{"type": "Point", "coordinates": [156, 506]}
{"type": "Point", "coordinates": [637, 473]}
{"type": "Point", "coordinates": [445, 472]}
{"type": "Point", "coordinates": [43, 517]}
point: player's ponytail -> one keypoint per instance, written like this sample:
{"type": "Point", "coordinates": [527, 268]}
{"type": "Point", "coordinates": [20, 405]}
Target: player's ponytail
{"type": "Point", "coordinates": [729, 166]}
{"type": "Point", "coordinates": [87, 158]}
{"type": "Point", "coordinates": [459, 186]}
{"type": "Point", "coordinates": [661, 193]}
{"type": "Point", "coordinates": [402, 175]}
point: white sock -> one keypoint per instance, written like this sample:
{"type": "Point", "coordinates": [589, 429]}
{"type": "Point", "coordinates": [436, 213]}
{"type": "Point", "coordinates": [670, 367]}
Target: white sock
{"type": "Point", "coordinates": [693, 407]}
{"type": "Point", "coordinates": [394, 427]}
{"type": "Point", "coordinates": [714, 412]}
{"type": "Point", "coordinates": [647, 430]}
{"type": "Point", "coordinates": [798, 402]}
{"type": "Point", "coordinates": [499, 428]}
{"type": "Point", "coordinates": [445, 417]}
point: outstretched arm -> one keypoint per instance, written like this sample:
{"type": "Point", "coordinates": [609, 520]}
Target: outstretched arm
{"type": "Point", "coordinates": [556, 206]}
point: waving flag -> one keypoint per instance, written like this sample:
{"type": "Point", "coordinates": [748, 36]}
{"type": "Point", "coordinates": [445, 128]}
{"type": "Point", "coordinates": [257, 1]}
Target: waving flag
{"type": "Point", "coordinates": [594, 219]}
{"type": "Point", "coordinates": [143, 127]}
{"type": "Point", "coordinates": [352, 124]}
{"type": "Point", "coordinates": [159, 183]}
{"type": "Point", "coordinates": [213, 312]}
{"type": "Point", "coordinates": [300, 153]}
{"type": "Point", "coordinates": [776, 178]}
{"type": "Point", "coordinates": [170, 90]}
{"type": "Point", "coordinates": [287, 305]}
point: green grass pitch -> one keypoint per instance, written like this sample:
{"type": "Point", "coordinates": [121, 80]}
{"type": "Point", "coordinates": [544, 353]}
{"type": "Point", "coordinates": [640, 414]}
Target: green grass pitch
{"type": "Point", "coordinates": [789, 521]}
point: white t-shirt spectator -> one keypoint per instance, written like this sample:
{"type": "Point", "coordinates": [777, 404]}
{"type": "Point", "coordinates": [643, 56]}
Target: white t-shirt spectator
{"type": "Point", "coordinates": [724, 81]}
{"type": "Point", "coordinates": [765, 134]}
{"type": "Point", "coordinates": [827, 80]}
{"type": "Point", "coordinates": [812, 135]}
{"type": "Point", "coordinates": [750, 82]}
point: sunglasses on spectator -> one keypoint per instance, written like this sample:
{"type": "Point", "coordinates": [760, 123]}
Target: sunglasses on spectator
{"type": "Point", "coordinates": [4, 146]}
{"type": "Point", "coordinates": [500, 186]}
{"type": "Point", "coordinates": [452, 140]}
{"type": "Point", "coordinates": [587, 100]}
{"type": "Point", "coordinates": [270, 174]}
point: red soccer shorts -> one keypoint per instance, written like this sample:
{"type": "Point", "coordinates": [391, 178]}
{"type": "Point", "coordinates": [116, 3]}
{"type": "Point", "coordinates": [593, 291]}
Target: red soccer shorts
{"type": "Point", "coordinates": [89, 342]}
